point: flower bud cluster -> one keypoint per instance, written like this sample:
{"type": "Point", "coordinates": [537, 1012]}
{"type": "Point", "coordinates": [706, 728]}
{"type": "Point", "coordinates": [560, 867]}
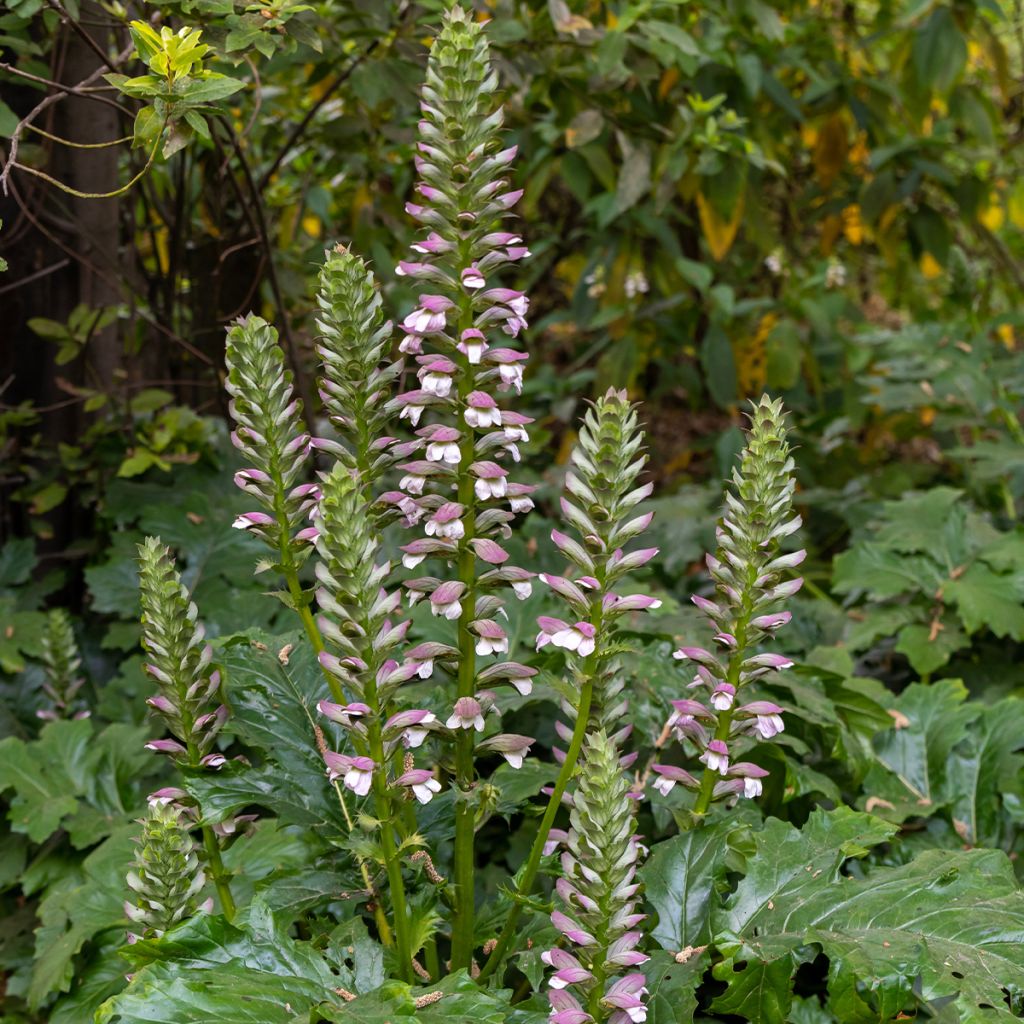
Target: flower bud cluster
{"type": "Point", "coordinates": [461, 333]}
{"type": "Point", "coordinates": [357, 382]}
{"type": "Point", "coordinates": [61, 662]}
{"type": "Point", "coordinates": [166, 879]}
{"type": "Point", "coordinates": [751, 580]}
{"type": "Point", "coordinates": [599, 506]}
{"type": "Point", "coordinates": [359, 620]}
{"type": "Point", "coordinates": [178, 658]}
{"type": "Point", "coordinates": [269, 433]}
{"type": "Point", "coordinates": [597, 899]}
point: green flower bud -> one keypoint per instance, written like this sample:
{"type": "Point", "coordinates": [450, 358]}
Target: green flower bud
{"type": "Point", "coordinates": [166, 879]}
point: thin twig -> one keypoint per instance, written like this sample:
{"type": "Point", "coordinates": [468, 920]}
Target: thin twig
{"type": "Point", "coordinates": [254, 210]}
{"type": "Point", "coordinates": [85, 37]}
{"type": "Point", "coordinates": [47, 101]}
{"type": "Point", "coordinates": [51, 269]}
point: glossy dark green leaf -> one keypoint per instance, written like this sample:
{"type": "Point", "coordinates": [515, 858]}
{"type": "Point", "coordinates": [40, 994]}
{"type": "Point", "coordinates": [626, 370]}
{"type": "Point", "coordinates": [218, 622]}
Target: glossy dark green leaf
{"type": "Point", "coordinates": [680, 879]}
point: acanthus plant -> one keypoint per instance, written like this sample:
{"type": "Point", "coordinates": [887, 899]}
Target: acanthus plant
{"type": "Point", "coordinates": [426, 448]}
{"type": "Point", "coordinates": [751, 576]}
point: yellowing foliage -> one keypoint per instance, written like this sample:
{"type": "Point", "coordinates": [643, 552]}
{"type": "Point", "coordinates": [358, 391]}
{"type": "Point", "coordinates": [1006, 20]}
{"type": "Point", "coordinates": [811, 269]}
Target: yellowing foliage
{"type": "Point", "coordinates": [930, 266]}
{"type": "Point", "coordinates": [992, 216]}
{"type": "Point", "coordinates": [719, 233]}
{"type": "Point", "coordinates": [853, 226]}
{"type": "Point", "coordinates": [751, 358]}
{"type": "Point", "coordinates": [830, 150]}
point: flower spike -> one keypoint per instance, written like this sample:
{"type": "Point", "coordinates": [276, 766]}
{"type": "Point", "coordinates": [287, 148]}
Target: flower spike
{"type": "Point", "coordinates": [61, 662]}
{"type": "Point", "coordinates": [750, 578]}
{"type": "Point", "coordinates": [166, 879]}
{"type": "Point", "coordinates": [597, 899]}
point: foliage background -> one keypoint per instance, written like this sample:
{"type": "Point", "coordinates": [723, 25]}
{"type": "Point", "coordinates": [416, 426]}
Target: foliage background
{"type": "Point", "coordinates": [818, 199]}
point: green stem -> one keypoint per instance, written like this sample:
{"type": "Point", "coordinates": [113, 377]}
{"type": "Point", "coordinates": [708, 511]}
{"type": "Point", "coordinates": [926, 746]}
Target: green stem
{"type": "Point", "coordinates": [579, 732]}
{"type": "Point", "coordinates": [736, 659]}
{"type": "Point", "coordinates": [463, 922]}
{"type": "Point", "coordinates": [210, 844]}
{"type": "Point", "coordinates": [389, 848]}
{"type": "Point", "coordinates": [217, 872]}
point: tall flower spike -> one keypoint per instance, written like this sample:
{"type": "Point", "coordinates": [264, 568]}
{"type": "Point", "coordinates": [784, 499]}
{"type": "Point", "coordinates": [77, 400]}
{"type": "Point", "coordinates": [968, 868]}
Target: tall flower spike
{"type": "Point", "coordinates": [356, 382]}
{"type": "Point", "coordinates": [602, 495]}
{"type": "Point", "coordinates": [750, 576]}
{"type": "Point", "coordinates": [61, 662]}
{"type": "Point", "coordinates": [358, 621]}
{"type": "Point", "coordinates": [269, 433]}
{"type": "Point", "coordinates": [179, 660]}
{"type": "Point", "coordinates": [599, 506]}
{"type": "Point", "coordinates": [597, 901]}
{"type": "Point", "coordinates": [166, 879]}
{"type": "Point", "coordinates": [461, 334]}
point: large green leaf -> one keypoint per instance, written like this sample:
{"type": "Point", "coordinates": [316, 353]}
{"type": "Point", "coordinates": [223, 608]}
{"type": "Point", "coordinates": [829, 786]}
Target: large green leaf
{"type": "Point", "coordinates": [913, 775]}
{"type": "Point", "coordinates": [273, 713]}
{"type": "Point", "coordinates": [947, 925]}
{"type": "Point", "coordinates": [984, 768]}
{"type": "Point", "coordinates": [80, 907]}
{"type": "Point", "coordinates": [680, 879]}
{"type": "Point", "coordinates": [210, 972]}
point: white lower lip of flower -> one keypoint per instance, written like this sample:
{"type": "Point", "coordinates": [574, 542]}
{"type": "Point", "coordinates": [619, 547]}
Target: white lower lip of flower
{"type": "Point", "coordinates": [412, 413]}
{"type": "Point", "coordinates": [411, 561]}
{"type": "Point", "coordinates": [664, 785]}
{"type": "Point", "coordinates": [358, 782]}
{"type": "Point", "coordinates": [426, 669]}
{"type": "Point", "coordinates": [522, 590]}
{"type": "Point", "coordinates": [414, 738]}
{"type": "Point", "coordinates": [496, 488]}
{"type": "Point", "coordinates": [514, 759]}
{"type": "Point", "coordinates": [751, 788]}
{"type": "Point", "coordinates": [424, 792]}
{"type": "Point", "coordinates": [443, 451]}
{"type": "Point", "coordinates": [439, 384]}
{"type": "Point", "coordinates": [452, 610]}
{"type": "Point", "coordinates": [412, 484]}
{"type": "Point", "coordinates": [721, 701]}
{"type": "Point", "coordinates": [520, 505]}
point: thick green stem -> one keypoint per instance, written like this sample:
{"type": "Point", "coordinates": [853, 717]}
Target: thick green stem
{"type": "Point", "coordinates": [463, 923]}
{"type": "Point", "coordinates": [736, 659]}
{"type": "Point", "coordinates": [389, 848]}
{"type": "Point", "coordinates": [529, 873]}
{"type": "Point", "coordinates": [217, 872]}
{"type": "Point", "coordinates": [210, 843]}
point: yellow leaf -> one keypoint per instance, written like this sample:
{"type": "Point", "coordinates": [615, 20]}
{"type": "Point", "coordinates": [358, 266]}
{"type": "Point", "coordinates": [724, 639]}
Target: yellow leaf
{"type": "Point", "coordinates": [930, 266]}
{"type": "Point", "coordinates": [1015, 204]}
{"type": "Point", "coordinates": [1005, 332]}
{"type": "Point", "coordinates": [311, 225]}
{"type": "Point", "coordinates": [830, 150]}
{"type": "Point", "coordinates": [889, 214]}
{"type": "Point", "coordinates": [853, 226]}
{"type": "Point", "coordinates": [831, 226]}
{"type": "Point", "coordinates": [992, 216]}
{"type": "Point", "coordinates": [360, 201]}
{"type": "Point", "coordinates": [719, 233]}
{"type": "Point", "coordinates": [808, 135]}
{"type": "Point", "coordinates": [611, 19]}
{"type": "Point", "coordinates": [860, 154]}
{"type": "Point", "coordinates": [751, 359]}
{"type": "Point", "coordinates": [927, 416]}
{"type": "Point", "coordinates": [668, 79]}
{"type": "Point", "coordinates": [163, 253]}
